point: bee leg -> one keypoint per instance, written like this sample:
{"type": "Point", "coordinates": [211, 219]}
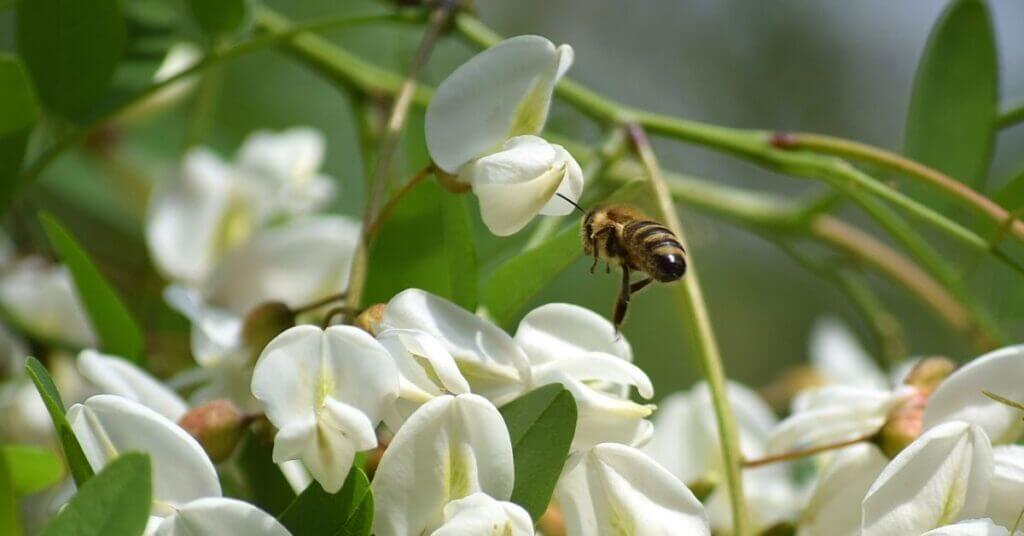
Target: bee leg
{"type": "Point", "coordinates": [608, 267]}
{"type": "Point", "coordinates": [640, 285]}
{"type": "Point", "coordinates": [623, 300]}
{"type": "Point", "coordinates": [592, 266]}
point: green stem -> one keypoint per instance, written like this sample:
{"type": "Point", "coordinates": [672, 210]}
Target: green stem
{"type": "Point", "coordinates": [1011, 115]}
{"type": "Point", "coordinates": [690, 300]}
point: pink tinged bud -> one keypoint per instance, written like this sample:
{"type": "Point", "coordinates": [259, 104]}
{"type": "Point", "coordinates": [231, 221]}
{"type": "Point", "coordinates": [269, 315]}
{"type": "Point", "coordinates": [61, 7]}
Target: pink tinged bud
{"type": "Point", "coordinates": [217, 425]}
{"type": "Point", "coordinates": [904, 425]}
{"type": "Point", "coordinates": [929, 372]}
{"type": "Point", "coordinates": [264, 322]}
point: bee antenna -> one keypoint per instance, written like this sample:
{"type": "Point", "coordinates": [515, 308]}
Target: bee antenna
{"type": "Point", "coordinates": [571, 202]}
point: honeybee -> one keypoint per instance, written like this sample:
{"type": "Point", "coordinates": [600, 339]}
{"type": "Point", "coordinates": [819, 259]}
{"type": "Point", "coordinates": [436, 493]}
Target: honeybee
{"type": "Point", "coordinates": [623, 235]}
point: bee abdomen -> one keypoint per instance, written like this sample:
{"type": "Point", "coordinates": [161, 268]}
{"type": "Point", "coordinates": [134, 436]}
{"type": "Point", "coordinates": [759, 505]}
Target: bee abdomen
{"type": "Point", "coordinates": [664, 256]}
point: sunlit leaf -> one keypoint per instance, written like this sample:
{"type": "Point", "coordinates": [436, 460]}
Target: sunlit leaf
{"type": "Point", "coordinates": [115, 501]}
{"type": "Point", "coordinates": [32, 468]}
{"type": "Point", "coordinates": [81, 471]}
{"type": "Point", "coordinates": [18, 114]}
{"type": "Point", "coordinates": [541, 425]}
{"type": "Point", "coordinates": [118, 332]}
{"type": "Point", "coordinates": [954, 102]}
{"type": "Point", "coordinates": [218, 17]}
{"type": "Point", "coordinates": [318, 513]}
{"type": "Point", "coordinates": [72, 49]}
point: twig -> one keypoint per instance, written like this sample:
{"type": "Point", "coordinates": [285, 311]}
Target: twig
{"type": "Point", "coordinates": [314, 305]}
{"type": "Point", "coordinates": [797, 454]}
{"type": "Point", "coordinates": [389, 207]}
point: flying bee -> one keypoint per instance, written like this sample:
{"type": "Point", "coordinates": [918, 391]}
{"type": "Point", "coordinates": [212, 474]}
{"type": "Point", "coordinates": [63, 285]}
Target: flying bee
{"type": "Point", "coordinates": [623, 235]}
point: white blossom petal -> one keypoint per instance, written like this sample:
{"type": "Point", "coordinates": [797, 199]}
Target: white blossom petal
{"type": "Point", "coordinates": [108, 425]}
{"type": "Point", "coordinates": [40, 299]}
{"type": "Point", "coordinates": [834, 507]}
{"type": "Point", "coordinates": [488, 358]}
{"type": "Point", "coordinates": [502, 92]}
{"type": "Point", "coordinates": [1007, 496]}
{"type": "Point", "coordinates": [614, 489]}
{"type": "Point", "coordinates": [960, 396]}
{"type": "Point", "coordinates": [973, 527]}
{"type": "Point", "coordinates": [216, 334]}
{"type": "Point", "coordinates": [285, 165]}
{"type": "Point", "coordinates": [480, 515]}
{"type": "Point", "coordinates": [941, 478]}
{"type": "Point", "coordinates": [558, 330]}
{"type": "Point", "coordinates": [325, 391]}
{"type": "Point", "coordinates": [450, 448]}
{"type": "Point", "coordinates": [218, 515]}
{"type": "Point", "coordinates": [838, 356]}
{"type": "Point", "coordinates": [116, 376]}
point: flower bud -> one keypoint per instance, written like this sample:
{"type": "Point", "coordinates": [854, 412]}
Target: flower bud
{"type": "Point", "coordinates": [904, 425]}
{"type": "Point", "coordinates": [369, 320]}
{"type": "Point", "coordinates": [929, 372]}
{"type": "Point", "coordinates": [264, 322]}
{"type": "Point", "coordinates": [218, 427]}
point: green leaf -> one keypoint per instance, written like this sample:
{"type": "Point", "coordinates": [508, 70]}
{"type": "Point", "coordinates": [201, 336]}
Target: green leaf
{"type": "Point", "coordinates": [72, 49]}
{"type": "Point", "coordinates": [954, 104]}
{"type": "Point", "coordinates": [218, 17]}
{"type": "Point", "coordinates": [18, 114]}
{"type": "Point", "coordinates": [118, 332]}
{"type": "Point", "coordinates": [513, 284]}
{"type": "Point", "coordinates": [264, 481]}
{"type": "Point", "coordinates": [115, 502]}
{"type": "Point", "coordinates": [541, 425]}
{"type": "Point", "coordinates": [32, 468]}
{"type": "Point", "coordinates": [427, 243]}
{"type": "Point", "coordinates": [9, 517]}
{"type": "Point", "coordinates": [1011, 196]}
{"type": "Point", "coordinates": [318, 513]}
{"type": "Point", "coordinates": [81, 471]}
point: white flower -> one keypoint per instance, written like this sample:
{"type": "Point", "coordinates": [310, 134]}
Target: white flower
{"type": "Point", "coordinates": [834, 508]}
{"type": "Point", "coordinates": [520, 180]}
{"type": "Point", "coordinates": [837, 355]}
{"type": "Point", "coordinates": [973, 527]}
{"type": "Point", "coordinates": [116, 376]}
{"type": "Point", "coordinates": [40, 299]}
{"type": "Point", "coordinates": [217, 515]}
{"type": "Point", "coordinates": [556, 330]}
{"type": "Point", "coordinates": [296, 263]}
{"type": "Point", "coordinates": [180, 56]}
{"type": "Point", "coordinates": [941, 478]}
{"type": "Point", "coordinates": [450, 448]}
{"type": "Point", "coordinates": [1007, 496]}
{"type": "Point", "coordinates": [481, 126]}
{"type": "Point", "coordinates": [426, 370]}
{"type": "Point", "coordinates": [492, 363]}
{"type": "Point", "coordinates": [325, 391]}
{"type": "Point", "coordinates": [108, 425]}
{"type": "Point", "coordinates": [502, 92]}
{"type": "Point", "coordinates": [212, 206]}
{"type": "Point", "coordinates": [835, 413]}
{"type": "Point", "coordinates": [960, 396]}
{"type": "Point", "coordinates": [615, 489]}
{"type": "Point", "coordinates": [480, 515]}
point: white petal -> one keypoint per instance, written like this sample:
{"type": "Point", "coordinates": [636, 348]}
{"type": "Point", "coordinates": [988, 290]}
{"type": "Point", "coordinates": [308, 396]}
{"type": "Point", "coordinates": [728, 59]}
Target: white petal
{"type": "Point", "coordinates": [571, 187]}
{"type": "Point", "coordinates": [960, 396]}
{"type": "Point", "coordinates": [116, 376]}
{"type": "Point", "coordinates": [614, 489]}
{"type": "Point", "coordinates": [557, 330]}
{"type": "Point", "coordinates": [942, 477]}
{"type": "Point", "coordinates": [450, 448]}
{"type": "Point", "coordinates": [217, 515]}
{"type": "Point", "coordinates": [186, 216]}
{"type": "Point", "coordinates": [325, 391]}
{"type": "Point", "coordinates": [488, 358]}
{"type": "Point", "coordinates": [1007, 497]}
{"type": "Point", "coordinates": [108, 425]}
{"type": "Point", "coordinates": [40, 299]}
{"type": "Point", "coordinates": [974, 527]}
{"type": "Point", "coordinates": [293, 154]}
{"type": "Point", "coordinates": [680, 444]}
{"type": "Point", "coordinates": [301, 261]}
{"type": "Point", "coordinates": [426, 370]}
{"type": "Point", "coordinates": [480, 515]}
{"type": "Point", "coordinates": [834, 507]}
{"type": "Point", "coordinates": [216, 334]}
{"type": "Point", "coordinates": [501, 92]}
{"type": "Point", "coordinates": [838, 356]}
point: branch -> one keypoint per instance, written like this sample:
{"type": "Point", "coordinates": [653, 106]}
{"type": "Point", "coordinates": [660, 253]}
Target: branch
{"type": "Point", "coordinates": [1011, 115]}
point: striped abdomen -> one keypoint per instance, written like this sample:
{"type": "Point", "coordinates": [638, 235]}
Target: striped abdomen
{"type": "Point", "coordinates": [655, 250]}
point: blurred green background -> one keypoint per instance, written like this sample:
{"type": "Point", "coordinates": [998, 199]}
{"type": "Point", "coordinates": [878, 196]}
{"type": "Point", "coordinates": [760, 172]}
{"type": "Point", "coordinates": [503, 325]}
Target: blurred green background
{"type": "Point", "coordinates": [841, 68]}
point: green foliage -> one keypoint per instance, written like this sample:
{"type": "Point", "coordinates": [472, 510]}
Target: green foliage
{"type": "Point", "coordinates": [81, 471]}
{"type": "Point", "coordinates": [18, 114]}
{"type": "Point", "coordinates": [9, 518]}
{"type": "Point", "coordinates": [349, 512]}
{"type": "Point", "coordinates": [518, 280]}
{"type": "Point", "coordinates": [427, 243]}
{"type": "Point", "coordinates": [119, 333]}
{"type": "Point", "coordinates": [218, 17]}
{"type": "Point", "coordinates": [266, 485]}
{"type": "Point", "coordinates": [954, 103]}
{"type": "Point", "coordinates": [1011, 196]}
{"type": "Point", "coordinates": [541, 425]}
{"type": "Point", "coordinates": [72, 49]}
{"type": "Point", "coordinates": [31, 468]}
{"type": "Point", "coordinates": [116, 502]}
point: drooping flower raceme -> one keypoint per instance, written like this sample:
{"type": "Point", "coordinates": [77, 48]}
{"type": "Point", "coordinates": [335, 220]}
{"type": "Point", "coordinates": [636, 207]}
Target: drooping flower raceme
{"type": "Point", "coordinates": [482, 123]}
{"type": "Point", "coordinates": [325, 391]}
{"type": "Point", "coordinates": [451, 448]}
{"type": "Point", "coordinates": [615, 489]}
